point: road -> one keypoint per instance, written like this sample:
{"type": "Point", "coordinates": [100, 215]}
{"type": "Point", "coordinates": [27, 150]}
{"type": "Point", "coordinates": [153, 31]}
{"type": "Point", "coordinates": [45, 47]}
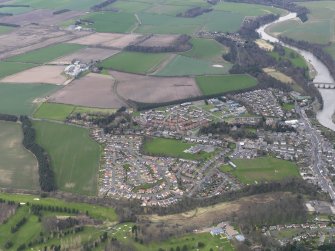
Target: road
{"type": "Point", "coordinates": [317, 163]}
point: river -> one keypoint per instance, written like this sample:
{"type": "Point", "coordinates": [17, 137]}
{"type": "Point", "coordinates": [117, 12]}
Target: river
{"type": "Point", "coordinates": [322, 74]}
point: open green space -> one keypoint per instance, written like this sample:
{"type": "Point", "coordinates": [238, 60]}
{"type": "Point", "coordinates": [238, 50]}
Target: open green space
{"type": "Point", "coordinates": [210, 85]}
{"type": "Point", "coordinates": [207, 49]}
{"type": "Point", "coordinates": [10, 68]}
{"type": "Point", "coordinates": [171, 148]}
{"type": "Point", "coordinates": [250, 171]}
{"type": "Point", "coordinates": [75, 167]}
{"type": "Point", "coordinates": [111, 21]}
{"type": "Point", "coordinates": [296, 59]}
{"type": "Point", "coordinates": [135, 62]}
{"type": "Point", "coordinates": [15, 10]}
{"type": "Point", "coordinates": [130, 6]}
{"type": "Point", "coordinates": [331, 50]}
{"type": "Point", "coordinates": [18, 99]}
{"type": "Point", "coordinates": [318, 29]}
{"type": "Point", "coordinates": [61, 4]}
{"type": "Point", "coordinates": [18, 166]}
{"type": "Point", "coordinates": [46, 54]}
{"type": "Point", "coordinates": [186, 66]}
{"type": "Point", "coordinates": [5, 29]}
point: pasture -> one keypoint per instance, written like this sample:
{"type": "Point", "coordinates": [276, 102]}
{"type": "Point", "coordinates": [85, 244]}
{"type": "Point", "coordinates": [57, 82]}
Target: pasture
{"type": "Point", "coordinates": [290, 55]}
{"type": "Point", "coordinates": [5, 29]}
{"type": "Point", "coordinates": [171, 148]}
{"type": "Point", "coordinates": [64, 4]}
{"type": "Point", "coordinates": [75, 167]}
{"type": "Point", "coordinates": [46, 54]}
{"type": "Point", "coordinates": [9, 68]}
{"type": "Point", "coordinates": [18, 99]}
{"type": "Point", "coordinates": [18, 166]}
{"type": "Point", "coordinates": [186, 66]}
{"type": "Point", "coordinates": [134, 62]}
{"type": "Point", "coordinates": [54, 111]}
{"type": "Point", "coordinates": [210, 85]}
{"type": "Point", "coordinates": [251, 171]}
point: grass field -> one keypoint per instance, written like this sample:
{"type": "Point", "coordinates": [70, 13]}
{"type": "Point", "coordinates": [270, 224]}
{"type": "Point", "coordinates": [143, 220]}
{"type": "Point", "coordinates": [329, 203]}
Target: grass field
{"type": "Point", "coordinates": [171, 148]}
{"type": "Point", "coordinates": [111, 22]}
{"type": "Point", "coordinates": [135, 62]}
{"type": "Point", "coordinates": [18, 166]}
{"type": "Point", "coordinates": [75, 167]}
{"type": "Point", "coordinates": [63, 4]}
{"type": "Point", "coordinates": [331, 50]}
{"type": "Point", "coordinates": [250, 171]}
{"type": "Point", "coordinates": [15, 10]}
{"type": "Point", "coordinates": [46, 54]}
{"type": "Point", "coordinates": [207, 49]}
{"type": "Point", "coordinates": [186, 66]}
{"type": "Point", "coordinates": [296, 59]}
{"type": "Point", "coordinates": [210, 85]}
{"type": "Point", "coordinates": [10, 68]}
{"type": "Point", "coordinates": [18, 99]}
{"type": "Point", "coordinates": [5, 29]}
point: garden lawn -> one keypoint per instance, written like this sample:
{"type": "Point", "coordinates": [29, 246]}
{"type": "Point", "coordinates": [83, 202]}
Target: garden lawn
{"type": "Point", "coordinates": [211, 85]}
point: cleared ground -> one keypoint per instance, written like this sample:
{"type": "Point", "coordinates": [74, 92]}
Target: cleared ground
{"type": "Point", "coordinates": [149, 89]}
{"type": "Point", "coordinates": [278, 75]}
{"type": "Point", "coordinates": [210, 85]}
{"type": "Point", "coordinates": [49, 74]}
{"type": "Point", "coordinates": [264, 45]}
{"type": "Point", "coordinates": [135, 62]}
{"type": "Point", "coordinates": [18, 166]}
{"type": "Point", "coordinates": [92, 90]}
{"type": "Point", "coordinates": [19, 99]}
{"type": "Point", "coordinates": [250, 171]}
{"type": "Point", "coordinates": [75, 167]}
{"type": "Point", "coordinates": [86, 55]}
{"type": "Point", "coordinates": [112, 40]}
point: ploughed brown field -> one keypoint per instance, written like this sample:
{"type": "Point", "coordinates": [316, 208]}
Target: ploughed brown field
{"type": "Point", "coordinates": [92, 90]}
{"type": "Point", "coordinates": [149, 89]}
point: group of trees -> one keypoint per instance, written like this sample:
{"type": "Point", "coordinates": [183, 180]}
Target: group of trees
{"type": "Point", "coordinates": [57, 12]}
{"type": "Point", "coordinates": [101, 6]}
{"type": "Point", "coordinates": [37, 209]}
{"type": "Point", "coordinates": [7, 117]}
{"type": "Point", "coordinates": [194, 12]}
{"type": "Point", "coordinates": [46, 175]}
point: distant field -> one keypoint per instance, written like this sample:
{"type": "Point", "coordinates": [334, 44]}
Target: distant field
{"type": "Point", "coordinates": [18, 98]}
{"type": "Point", "coordinates": [45, 54]}
{"type": "Point", "coordinates": [63, 4]}
{"type": "Point", "coordinates": [130, 6]}
{"type": "Point", "coordinates": [296, 59]}
{"type": "Point", "coordinates": [18, 166]}
{"type": "Point", "coordinates": [15, 10]}
{"type": "Point", "coordinates": [186, 66]}
{"type": "Point", "coordinates": [5, 29]}
{"type": "Point", "coordinates": [75, 167]}
{"type": "Point", "coordinates": [134, 62]}
{"type": "Point", "coordinates": [207, 49]}
{"type": "Point", "coordinates": [9, 68]}
{"type": "Point", "coordinates": [210, 85]}
{"type": "Point", "coordinates": [331, 50]}
{"type": "Point", "coordinates": [250, 171]}
{"type": "Point", "coordinates": [111, 21]}
{"type": "Point", "coordinates": [171, 148]}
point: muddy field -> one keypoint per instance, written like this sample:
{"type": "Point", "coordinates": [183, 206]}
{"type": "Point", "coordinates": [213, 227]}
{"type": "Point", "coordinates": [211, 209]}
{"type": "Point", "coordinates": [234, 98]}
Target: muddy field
{"type": "Point", "coordinates": [110, 40]}
{"type": "Point", "coordinates": [86, 55]}
{"type": "Point", "coordinates": [159, 40]}
{"type": "Point", "coordinates": [93, 90]}
{"type": "Point", "coordinates": [149, 89]}
{"type": "Point", "coordinates": [6, 211]}
{"type": "Point", "coordinates": [41, 16]}
{"type": "Point", "coordinates": [32, 37]}
{"type": "Point", "coordinates": [47, 74]}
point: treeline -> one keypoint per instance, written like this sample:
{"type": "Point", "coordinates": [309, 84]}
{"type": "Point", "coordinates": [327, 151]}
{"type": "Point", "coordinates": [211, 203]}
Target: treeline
{"type": "Point", "coordinates": [194, 12]}
{"type": "Point", "coordinates": [18, 225]}
{"type": "Point", "coordinates": [289, 5]}
{"type": "Point", "coordinates": [57, 12]}
{"type": "Point", "coordinates": [46, 175]}
{"type": "Point", "coordinates": [14, 5]}
{"type": "Point", "coordinates": [10, 25]}
{"type": "Point", "coordinates": [213, 2]}
{"type": "Point", "coordinates": [100, 6]}
{"type": "Point", "coordinates": [181, 44]}
{"type": "Point", "coordinates": [2, 14]}
{"type": "Point", "coordinates": [8, 117]}
{"type": "Point", "coordinates": [36, 209]}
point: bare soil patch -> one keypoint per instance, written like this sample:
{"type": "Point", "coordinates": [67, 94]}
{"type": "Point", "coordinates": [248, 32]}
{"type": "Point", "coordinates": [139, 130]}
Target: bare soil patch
{"type": "Point", "coordinates": [93, 90]}
{"type": "Point", "coordinates": [278, 75]}
{"type": "Point", "coordinates": [149, 89]}
{"type": "Point", "coordinates": [264, 45]}
{"type": "Point", "coordinates": [86, 55]}
{"type": "Point", "coordinates": [110, 40]}
{"type": "Point", "coordinates": [47, 74]}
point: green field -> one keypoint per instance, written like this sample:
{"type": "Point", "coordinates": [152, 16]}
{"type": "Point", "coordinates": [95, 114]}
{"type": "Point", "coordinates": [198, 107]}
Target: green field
{"type": "Point", "coordinates": [210, 85]}
{"type": "Point", "coordinates": [5, 29]}
{"type": "Point", "coordinates": [186, 66]}
{"type": "Point", "coordinates": [18, 99]}
{"type": "Point", "coordinates": [15, 10]}
{"type": "Point", "coordinates": [18, 166]}
{"type": "Point", "coordinates": [296, 59]}
{"type": "Point", "coordinates": [10, 68]}
{"type": "Point", "coordinates": [135, 62]}
{"type": "Point", "coordinates": [331, 50]}
{"type": "Point", "coordinates": [111, 22]}
{"type": "Point", "coordinates": [318, 29]}
{"type": "Point", "coordinates": [46, 54]}
{"type": "Point", "coordinates": [74, 156]}
{"type": "Point", "coordinates": [207, 49]}
{"type": "Point", "coordinates": [62, 4]}
{"type": "Point", "coordinates": [250, 171]}
{"type": "Point", "coordinates": [171, 148]}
